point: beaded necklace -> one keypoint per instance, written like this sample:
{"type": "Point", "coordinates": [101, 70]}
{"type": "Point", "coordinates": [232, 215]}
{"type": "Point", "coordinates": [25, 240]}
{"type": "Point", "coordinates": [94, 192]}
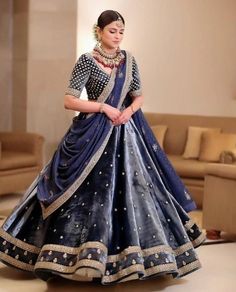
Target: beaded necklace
{"type": "Point", "coordinates": [108, 60]}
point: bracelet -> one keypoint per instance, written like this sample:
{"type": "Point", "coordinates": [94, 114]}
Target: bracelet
{"type": "Point", "coordinates": [132, 109]}
{"type": "Point", "coordinates": [101, 107]}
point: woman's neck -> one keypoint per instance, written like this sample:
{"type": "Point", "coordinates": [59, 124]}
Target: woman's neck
{"type": "Point", "coordinates": [108, 50]}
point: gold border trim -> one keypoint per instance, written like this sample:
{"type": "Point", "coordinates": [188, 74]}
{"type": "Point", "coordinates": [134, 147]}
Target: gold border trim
{"type": "Point", "coordinates": [74, 250]}
{"type": "Point", "coordinates": [136, 93]}
{"type": "Point", "coordinates": [68, 270]}
{"type": "Point", "coordinates": [122, 273]}
{"type": "Point", "coordinates": [189, 267]}
{"type": "Point", "coordinates": [137, 249]}
{"type": "Point", "coordinates": [183, 248]}
{"type": "Point", "coordinates": [93, 264]}
{"type": "Point", "coordinates": [19, 243]}
{"type": "Point", "coordinates": [14, 262]}
{"type": "Point", "coordinates": [73, 92]}
{"type": "Point", "coordinates": [189, 224]}
{"type": "Point", "coordinates": [161, 268]}
{"type": "Point", "coordinates": [198, 240]}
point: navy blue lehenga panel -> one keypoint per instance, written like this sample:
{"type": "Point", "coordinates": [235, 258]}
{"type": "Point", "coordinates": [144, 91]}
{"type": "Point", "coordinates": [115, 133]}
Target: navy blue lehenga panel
{"type": "Point", "coordinates": [121, 221]}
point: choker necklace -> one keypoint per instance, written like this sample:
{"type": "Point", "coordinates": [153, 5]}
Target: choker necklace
{"type": "Point", "coordinates": [108, 60]}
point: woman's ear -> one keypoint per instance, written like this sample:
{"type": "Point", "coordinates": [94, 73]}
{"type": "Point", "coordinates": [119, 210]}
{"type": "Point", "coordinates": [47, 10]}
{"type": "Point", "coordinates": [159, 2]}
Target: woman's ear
{"type": "Point", "coordinates": [99, 32]}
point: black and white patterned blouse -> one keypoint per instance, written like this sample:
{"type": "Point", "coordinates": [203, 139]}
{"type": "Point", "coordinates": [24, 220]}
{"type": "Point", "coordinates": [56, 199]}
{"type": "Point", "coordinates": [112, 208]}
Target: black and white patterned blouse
{"type": "Point", "coordinates": [87, 73]}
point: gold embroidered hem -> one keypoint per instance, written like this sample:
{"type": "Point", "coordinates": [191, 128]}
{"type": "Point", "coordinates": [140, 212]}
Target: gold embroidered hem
{"type": "Point", "coordinates": [92, 259]}
{"type": "Point", "coordinates": [189, 268]}
{"type": "Point", "coordinates": [199, 240]}
{"type": "Point", "coordinates": [19, 243]}
{"type": "Point", "coordinates": [16, 263]}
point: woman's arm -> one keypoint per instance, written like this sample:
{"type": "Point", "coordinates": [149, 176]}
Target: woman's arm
{"type": "Point", "coordinates": [85, 106]}
{"type": "Point", "coordinates": [137, 103]}
{"type": "Point", "coordinates": [76, 104]}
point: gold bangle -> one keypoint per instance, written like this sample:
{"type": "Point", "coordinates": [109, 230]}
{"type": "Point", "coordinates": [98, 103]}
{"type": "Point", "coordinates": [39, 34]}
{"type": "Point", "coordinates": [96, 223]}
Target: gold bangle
{"type": "Point", "coordinates": [101, 107]}
{"type": "Point", "coordinates": [132, 109]}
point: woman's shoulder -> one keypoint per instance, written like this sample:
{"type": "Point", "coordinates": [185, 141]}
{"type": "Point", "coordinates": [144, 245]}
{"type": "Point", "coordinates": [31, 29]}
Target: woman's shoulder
{"type": "Point", "coordinates": [85, 56]}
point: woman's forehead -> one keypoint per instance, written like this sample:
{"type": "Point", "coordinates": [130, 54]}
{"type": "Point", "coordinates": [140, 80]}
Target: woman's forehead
{"type": "Point", "coordinates": [116, 25]}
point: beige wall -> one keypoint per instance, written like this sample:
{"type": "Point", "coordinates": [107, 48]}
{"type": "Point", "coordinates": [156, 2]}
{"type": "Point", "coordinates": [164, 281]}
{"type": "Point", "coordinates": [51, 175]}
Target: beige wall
{"type": "Point", "coordinates": [186, 51]}
{"type": "Point", "coordinates": [51, 56]}
{"type": "Point", "coordinates": [5, 64]}
{"type": "Point", "coordinates": [19, 65]}
{"type": "Point", "coordinates": [37, 54]}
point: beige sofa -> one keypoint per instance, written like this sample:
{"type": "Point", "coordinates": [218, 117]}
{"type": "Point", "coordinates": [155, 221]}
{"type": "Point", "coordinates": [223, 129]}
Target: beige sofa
{"type": "Point", "coordinates": [20, 160]}
{"type": "Point", "coordinates": [191, 171]}
{"type": "Point", "coordinates": [219, 202]}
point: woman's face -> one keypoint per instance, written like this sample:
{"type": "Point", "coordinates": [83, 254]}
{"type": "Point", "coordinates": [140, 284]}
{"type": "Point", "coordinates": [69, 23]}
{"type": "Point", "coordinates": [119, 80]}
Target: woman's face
{"type": "Point", "coordinates": [112, 34]}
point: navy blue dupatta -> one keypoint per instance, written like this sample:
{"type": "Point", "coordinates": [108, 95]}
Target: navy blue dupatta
{"type": "Point", "coordinates": [82, 146]}
{"type": "Point", "coordinates": [169, 177]}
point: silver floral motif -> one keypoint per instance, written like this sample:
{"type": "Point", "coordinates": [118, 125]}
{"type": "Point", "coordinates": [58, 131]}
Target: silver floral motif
{"type": "Point", "coordinates": [155, 147]}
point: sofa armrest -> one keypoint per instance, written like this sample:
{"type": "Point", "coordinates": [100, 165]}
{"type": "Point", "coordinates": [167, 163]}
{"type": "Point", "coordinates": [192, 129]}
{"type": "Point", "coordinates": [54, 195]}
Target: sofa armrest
{"type": "Point", "coordinates": [221, 170]}
{"type": "Point", "coordinates": [228, 157]}
{"type": "Point", "coordinates": [23, 142]}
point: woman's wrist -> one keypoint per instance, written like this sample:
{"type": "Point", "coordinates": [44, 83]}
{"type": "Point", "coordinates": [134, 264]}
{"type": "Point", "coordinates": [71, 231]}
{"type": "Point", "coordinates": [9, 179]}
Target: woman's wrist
{"type": "Point", "coordinates": [132, 108]}
{"type": "Point", "coordinates": [101, 107]}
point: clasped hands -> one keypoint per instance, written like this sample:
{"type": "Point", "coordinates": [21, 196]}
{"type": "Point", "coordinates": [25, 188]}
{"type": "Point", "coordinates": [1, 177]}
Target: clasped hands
{"type": "Point", "coordinates": [116, 116]}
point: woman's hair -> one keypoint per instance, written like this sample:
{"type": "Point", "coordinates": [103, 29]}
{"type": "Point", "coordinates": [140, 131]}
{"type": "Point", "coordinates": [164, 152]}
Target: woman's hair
{"type": "Point", "coordinates": [107, 17]}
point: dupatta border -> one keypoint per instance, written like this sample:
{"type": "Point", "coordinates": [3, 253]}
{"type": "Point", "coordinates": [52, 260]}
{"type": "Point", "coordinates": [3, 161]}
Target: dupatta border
{"type": "Point", "coordinates": [46, 211]}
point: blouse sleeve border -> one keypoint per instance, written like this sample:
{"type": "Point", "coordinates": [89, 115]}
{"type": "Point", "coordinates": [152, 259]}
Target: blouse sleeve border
{"type": "Point", "coordinates": [136, 93]}
{"type": "Point", "coordinates": [72, 91]}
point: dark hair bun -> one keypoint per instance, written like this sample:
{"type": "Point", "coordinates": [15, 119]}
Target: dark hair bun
{"type": "Point", "coordinates": [107, 17]}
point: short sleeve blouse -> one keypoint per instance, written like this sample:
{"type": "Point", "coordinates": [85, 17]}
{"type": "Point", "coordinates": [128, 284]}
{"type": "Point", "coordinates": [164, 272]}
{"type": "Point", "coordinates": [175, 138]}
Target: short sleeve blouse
{"type": "Point", "coordinates": [87, 73]}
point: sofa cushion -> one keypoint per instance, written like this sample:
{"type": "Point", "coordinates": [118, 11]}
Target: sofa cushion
{"type": "Point", "coordinates": [188, 167]}
{"type": "Point", "coordinates": [213, 144]}
{"type": "Point", "coordinates": [193, 143]}
{"type": "Point", "coordinates": [159, 132]}
{"type": "Point", "coordinates": [13, 160]}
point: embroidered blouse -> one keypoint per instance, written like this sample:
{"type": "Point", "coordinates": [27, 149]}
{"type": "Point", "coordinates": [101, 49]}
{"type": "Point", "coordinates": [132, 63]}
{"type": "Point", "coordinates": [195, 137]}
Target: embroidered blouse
{"type": "Point", "coordinates": [87, 73]}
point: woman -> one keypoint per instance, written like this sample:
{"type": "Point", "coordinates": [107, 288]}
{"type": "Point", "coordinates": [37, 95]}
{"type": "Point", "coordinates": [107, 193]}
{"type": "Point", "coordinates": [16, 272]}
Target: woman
{"type": "Point", "coordinates": [108, 207]}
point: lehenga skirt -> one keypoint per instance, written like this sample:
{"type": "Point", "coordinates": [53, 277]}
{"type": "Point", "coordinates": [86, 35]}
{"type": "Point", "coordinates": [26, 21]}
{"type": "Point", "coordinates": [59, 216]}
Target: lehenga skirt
{"type": "Point", "coordinates": [121, 224]}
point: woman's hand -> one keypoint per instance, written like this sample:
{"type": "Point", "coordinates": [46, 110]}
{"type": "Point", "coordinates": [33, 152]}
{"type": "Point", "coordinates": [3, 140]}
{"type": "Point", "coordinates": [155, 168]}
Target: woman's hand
{"type": "Point", "coordinates": [124, 117]}
{"type": "Point", "coordinates": [111, 112]}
